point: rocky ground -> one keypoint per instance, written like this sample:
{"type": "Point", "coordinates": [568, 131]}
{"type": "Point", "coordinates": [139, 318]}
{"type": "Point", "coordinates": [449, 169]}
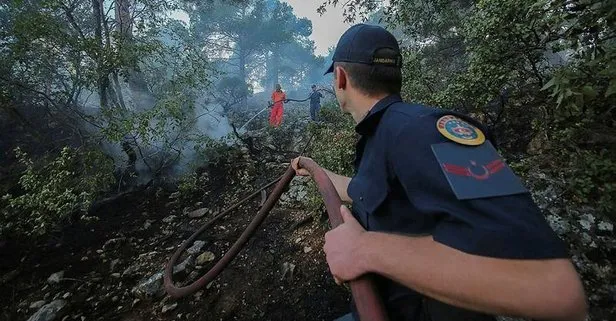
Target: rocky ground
{"type": "Point", "coordinates": [114, 270]}
{"type": "Point", "coordinates": [111, 269]}
{"type": "Point", "coordinates": [591, 240]}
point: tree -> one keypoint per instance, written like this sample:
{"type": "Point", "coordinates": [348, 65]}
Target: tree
{"type": "Point", "coordinates": [255, 37]}
{"type": "Point", "coordinates": [59, 53]}
{"type": "Point", "coordinates": [539, 73]}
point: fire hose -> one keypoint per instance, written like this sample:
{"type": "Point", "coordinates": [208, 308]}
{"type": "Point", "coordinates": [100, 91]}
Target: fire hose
{"type": "Point", "coordinates": [367, 302]}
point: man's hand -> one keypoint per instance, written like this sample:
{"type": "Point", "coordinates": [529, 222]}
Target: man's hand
{"type": "Point", "coordinates": [341, 183]}
{"type": "Point", "coordinates": [298, 170]}
{"type": "Point", "coordinates": [342, 248]}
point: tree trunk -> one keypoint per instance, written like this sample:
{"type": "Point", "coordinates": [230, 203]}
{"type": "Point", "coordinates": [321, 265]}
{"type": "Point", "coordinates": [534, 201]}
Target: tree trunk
{"type": "Point", "coordinates": [242, 75]}
{"type": "Point", "coordinates": [124, 22]}
{"type": "Point", "coordinates": [274, 68]}
{"type": "Point", "coordinates": [141, 95]}
{"type": "Point", "coordinates": [103, 79]}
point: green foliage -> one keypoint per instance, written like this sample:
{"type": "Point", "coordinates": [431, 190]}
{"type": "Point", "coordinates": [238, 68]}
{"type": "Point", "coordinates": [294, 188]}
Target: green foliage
{"type": "Point", "coordinates": [593, 180]}
{"type": "Point", "coordinates": [53, 190]}
{"type": "Point", "coordinates": [541, 74]}
{"type": "Point", "coordinates": [266, 41]}
{"type": "Point", "coordinates": [333, 147]}
{"type": "Point", "coordinates": [214, 152]}
{"type": "Point", "coordinates": [191, 186]}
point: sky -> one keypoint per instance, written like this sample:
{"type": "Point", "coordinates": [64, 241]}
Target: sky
{"type": "Point", "coordinates": [326, 29]}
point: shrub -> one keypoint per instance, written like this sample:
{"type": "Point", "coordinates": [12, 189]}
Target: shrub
{"type": "Point", "coordinates": [53, 190]}
{"type": "Point", "coordinates": [333, 147]}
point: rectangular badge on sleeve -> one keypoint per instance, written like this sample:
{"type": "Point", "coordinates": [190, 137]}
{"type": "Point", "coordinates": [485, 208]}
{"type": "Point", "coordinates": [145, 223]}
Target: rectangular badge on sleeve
{"type": "Point", "coordinates": [476, 171]}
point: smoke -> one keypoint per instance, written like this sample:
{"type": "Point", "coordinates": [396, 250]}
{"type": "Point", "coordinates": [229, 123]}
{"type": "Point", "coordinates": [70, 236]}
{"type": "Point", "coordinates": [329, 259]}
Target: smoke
{"type": "Point", "coordinates": [169, 149]}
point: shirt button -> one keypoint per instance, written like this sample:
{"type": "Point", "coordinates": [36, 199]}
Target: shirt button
{"type": "Point", "coordinates": [361, 198]}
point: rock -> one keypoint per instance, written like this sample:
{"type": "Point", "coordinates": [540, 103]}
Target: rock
{"type": "Point", "coordinates": [130, 271]}
{"type": "Point", "coordinates": [205, 257]}
{"type": "Point", "coordinates": [113, 264]}
{"type": "Point", "coordinates": [67, 295]}
{"type": "Point", "coordinates": [169, 219]}
{"type": "Point", "coordinates": [299, 239]}
{"type": "Point", "coordinates": [297, 193]}
{"type": "Point", "coordinates": [49, 311]}
{"type": "Point", "coordinates": [147, 224]}
{"type": "Point", "coordinates": [169, 307]}
{"type": "Point", "coordinates": [198, 213]}
{"type": "Point", "coordinates": [116, 275]}
{"type": "Point", "coordinates": [55, 278]}
{"type": "Point", "coordinates": [558, 224]}
{"type": "Point", "coordinates": [605, 226]}
{"type": "Point", "coordinates": [192, 276]}
{"type": "Point", "coordinates": [153, 286]}
{"type": "Point", "coordinates": [9, 276]}
{"type": "Point", "coordinates": [586, 238]}
{"type": "Point", "coordinates": [307, 249]}
{"type": "Point", "coordinates": [182, 266]}
{"type": "Point", "coordinates": [501, 318]}
{"type": "Point", "coordinates": [115, 299]}
{"type": "Point", "coordinates": [37, 304]}
{"type": "Point", "coordinates": [586, 221]}
{"type": "Point", "coordinates": [150, 287]}
{"type": "Point", "coordinates": [143, 255]}
{"type": "Point", "coordinates": [174, 195]}
{"type": "Point", "coordinates": [287, 269]}
{"type": "Point", "coordinates": [135, 302]}
{"type": "Point", "coordinates": [196, 248]}
{"type": "Point", "coordinates": [113, 243]}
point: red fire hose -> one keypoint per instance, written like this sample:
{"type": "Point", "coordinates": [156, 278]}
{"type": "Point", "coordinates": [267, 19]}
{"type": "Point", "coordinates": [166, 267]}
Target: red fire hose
{"type": "Point", "coordinates": [369, 305]}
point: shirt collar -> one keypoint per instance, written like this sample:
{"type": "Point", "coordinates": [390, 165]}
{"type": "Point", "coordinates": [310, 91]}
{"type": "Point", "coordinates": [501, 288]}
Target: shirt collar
{"type": "Point", "coordinates": [367, 125]}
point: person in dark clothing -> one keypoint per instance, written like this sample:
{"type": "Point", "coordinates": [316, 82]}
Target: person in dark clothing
{"type": "Point", "coordinates": [448, 229]}
{"type": "Point", "coordinates": [315, 103]}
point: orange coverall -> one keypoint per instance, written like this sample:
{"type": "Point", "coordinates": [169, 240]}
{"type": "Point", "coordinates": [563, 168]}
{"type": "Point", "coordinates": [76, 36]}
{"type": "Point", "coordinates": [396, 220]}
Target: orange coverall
{"type": "Point", "coordinates": [278, 98]}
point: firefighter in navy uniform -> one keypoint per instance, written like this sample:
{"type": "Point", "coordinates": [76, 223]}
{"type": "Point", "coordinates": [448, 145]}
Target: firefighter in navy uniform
{"type": "Point", "coordinates": [444, 224]}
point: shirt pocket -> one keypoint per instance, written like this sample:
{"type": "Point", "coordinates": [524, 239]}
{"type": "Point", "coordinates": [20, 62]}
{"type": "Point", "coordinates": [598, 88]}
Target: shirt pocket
{"type": "Point", "coordinates": [368, 195]}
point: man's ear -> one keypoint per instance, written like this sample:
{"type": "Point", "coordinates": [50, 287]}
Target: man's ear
{"type": "Point", "coordinates": [341, 77]}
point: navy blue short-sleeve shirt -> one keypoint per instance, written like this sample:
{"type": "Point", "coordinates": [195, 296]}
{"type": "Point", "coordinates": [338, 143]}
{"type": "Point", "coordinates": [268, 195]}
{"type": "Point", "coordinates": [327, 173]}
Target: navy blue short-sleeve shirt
{"type": "Point", "coordinates": [411, 179]}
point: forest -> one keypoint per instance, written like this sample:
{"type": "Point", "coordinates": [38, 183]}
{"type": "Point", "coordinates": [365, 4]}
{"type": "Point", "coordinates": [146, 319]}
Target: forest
{"type": "Point", "coordinates": [125, 125]}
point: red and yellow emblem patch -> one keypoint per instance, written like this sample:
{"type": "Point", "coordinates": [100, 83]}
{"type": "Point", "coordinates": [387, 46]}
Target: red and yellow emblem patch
{"type": "Point", "coordinates": [459, 131]}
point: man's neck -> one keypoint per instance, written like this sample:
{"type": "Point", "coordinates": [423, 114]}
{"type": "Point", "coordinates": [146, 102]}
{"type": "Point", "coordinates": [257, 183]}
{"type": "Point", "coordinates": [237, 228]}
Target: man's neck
{"type": "Point", "coordinates": [362, 105]}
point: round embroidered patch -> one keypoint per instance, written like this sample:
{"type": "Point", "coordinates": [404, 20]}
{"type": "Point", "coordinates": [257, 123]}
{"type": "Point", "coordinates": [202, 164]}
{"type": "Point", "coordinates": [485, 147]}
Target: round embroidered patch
{"type": "Point", "coordinates": [460, 131]}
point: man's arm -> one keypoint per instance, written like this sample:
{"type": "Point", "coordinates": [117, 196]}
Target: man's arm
{"type": "Point", "coordinates": [341, 183]}
{"type": "Point", "coordinates": [541, 289]}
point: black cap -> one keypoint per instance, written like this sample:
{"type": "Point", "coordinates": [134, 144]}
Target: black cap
{"type": "Point", "coordinates": [361, 43]}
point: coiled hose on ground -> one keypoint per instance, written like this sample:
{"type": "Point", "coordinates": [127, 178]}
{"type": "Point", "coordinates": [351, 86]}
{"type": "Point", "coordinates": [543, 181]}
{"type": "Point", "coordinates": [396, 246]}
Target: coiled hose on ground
{"type": "Point", "coordinates": [368, 303]}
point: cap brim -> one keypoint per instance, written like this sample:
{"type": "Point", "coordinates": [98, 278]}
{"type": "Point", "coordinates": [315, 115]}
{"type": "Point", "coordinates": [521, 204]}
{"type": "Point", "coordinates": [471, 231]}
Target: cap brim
{"type": "Point", "coordinates": [330, 69]}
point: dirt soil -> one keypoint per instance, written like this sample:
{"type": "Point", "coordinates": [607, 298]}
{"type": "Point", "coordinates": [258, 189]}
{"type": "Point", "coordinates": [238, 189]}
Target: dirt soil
{"type": "Point", "coordinates": [105, 261]}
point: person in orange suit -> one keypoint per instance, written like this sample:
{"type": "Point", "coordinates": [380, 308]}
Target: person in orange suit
{"type": "Point", "coordinates": [278, 100]}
